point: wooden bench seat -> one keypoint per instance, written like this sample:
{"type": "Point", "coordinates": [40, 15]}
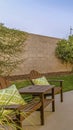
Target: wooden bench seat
{"type": "Point", "coordinates": [35, 74]}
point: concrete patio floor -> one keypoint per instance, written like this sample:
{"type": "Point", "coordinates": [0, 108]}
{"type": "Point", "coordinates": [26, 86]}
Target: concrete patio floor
{"type": "Point", "coordinates": [61, 119]}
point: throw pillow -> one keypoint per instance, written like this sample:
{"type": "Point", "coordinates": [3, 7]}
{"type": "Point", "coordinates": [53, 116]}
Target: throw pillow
{"type": "Point", "coordinates": [40, 81]}
{"type": "Point", "coordinates": [9, 96]}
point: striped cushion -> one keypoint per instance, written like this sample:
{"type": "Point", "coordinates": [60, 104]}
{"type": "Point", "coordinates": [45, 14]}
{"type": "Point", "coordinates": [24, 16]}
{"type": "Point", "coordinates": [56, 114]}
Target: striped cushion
{"type": "Point", "coordinates": [40, 81]}
{"type": "Point", "coordinates": [10, 96]}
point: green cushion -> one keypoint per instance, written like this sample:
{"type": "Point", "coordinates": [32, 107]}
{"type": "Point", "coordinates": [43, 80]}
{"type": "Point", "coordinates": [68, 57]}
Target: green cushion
{"type": "Point", "coordinates": [10, 96]}
{"type": "Point", "coordinates": [40, 81]}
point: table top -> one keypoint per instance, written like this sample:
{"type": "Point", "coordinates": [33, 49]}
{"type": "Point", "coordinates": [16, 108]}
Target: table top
{"type": "Point", "coordinates": [33, 89]}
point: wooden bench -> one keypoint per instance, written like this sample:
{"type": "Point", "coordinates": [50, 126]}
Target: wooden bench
{"type": "Point", "coordinates": [34, 74]}
{"type": "Point", "coordinates": [28, 108]}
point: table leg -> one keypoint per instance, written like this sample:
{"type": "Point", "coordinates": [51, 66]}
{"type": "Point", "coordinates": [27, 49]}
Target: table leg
{"type": "Point", "coordinates": [42, 109]}
{"type": "Point", "coordinates": [53, 102]}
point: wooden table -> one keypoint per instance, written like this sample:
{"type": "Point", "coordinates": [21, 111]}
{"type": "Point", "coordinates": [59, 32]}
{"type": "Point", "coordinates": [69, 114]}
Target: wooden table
{"type": "Point", "coordinates": [40, 91]}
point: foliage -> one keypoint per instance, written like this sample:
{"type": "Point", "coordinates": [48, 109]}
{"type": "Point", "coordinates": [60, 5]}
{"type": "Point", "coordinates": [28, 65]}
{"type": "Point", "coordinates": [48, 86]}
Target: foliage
{"type": "Point", "coordinates": [11, 45]}
{"type": "Point", "coordinates": [6, 121]}
{"type": "Point", "coordinates": [64, 50]}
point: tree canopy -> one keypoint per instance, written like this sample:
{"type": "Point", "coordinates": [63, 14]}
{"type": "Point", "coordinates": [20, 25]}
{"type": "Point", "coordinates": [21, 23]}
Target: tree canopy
{"type": "Point", "coordinates": [11, 44]}
{"type": "Point", "coordinates": [64, 50]}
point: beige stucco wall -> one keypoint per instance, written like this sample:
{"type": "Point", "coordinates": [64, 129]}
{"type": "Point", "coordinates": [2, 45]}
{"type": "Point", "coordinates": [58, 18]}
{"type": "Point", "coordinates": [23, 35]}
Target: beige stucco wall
{"type": "Point", "coordinates": [39, 54]}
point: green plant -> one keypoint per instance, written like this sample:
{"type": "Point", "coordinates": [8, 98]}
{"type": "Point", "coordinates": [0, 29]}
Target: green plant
{"type": "Point", "coordinates": [9, 96]}
{"type": "Point", "coordinates": [64, 50]}
{"type": "Point", "coordinates": [6, 121]}
{"type": "Point", "coordinates": [11, 45]}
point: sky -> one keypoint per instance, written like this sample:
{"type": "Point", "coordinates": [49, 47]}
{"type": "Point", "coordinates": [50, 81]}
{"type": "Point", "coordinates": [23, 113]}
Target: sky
{"type": "Point", "coordinates": [44, 17]}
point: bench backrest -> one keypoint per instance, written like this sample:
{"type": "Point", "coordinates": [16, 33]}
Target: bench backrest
{"type": "Point", "coordinates": [34, 74]}
{"type": "Point", "coordinates": [4, 83]}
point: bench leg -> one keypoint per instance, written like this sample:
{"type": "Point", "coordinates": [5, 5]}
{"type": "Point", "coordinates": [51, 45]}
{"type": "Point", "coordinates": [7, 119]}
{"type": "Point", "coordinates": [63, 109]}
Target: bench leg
{"type": "Point", "coordinates": [61, 95]}
{"type": "Point", "coordinates": [61, 92]}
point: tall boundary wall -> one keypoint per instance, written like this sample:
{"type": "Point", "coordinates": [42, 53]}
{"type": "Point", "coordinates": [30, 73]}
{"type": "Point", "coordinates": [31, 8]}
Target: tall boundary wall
{"type": "Point", "coordinates": [39, 54]}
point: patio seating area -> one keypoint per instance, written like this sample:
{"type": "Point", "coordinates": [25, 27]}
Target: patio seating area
{"type": "Point", "coordinates": [61, 119]}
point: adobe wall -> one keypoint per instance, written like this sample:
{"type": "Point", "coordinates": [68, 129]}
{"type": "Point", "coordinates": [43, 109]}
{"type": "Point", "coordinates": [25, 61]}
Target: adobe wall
{"type": "Point", "coordinates": [39, 54]}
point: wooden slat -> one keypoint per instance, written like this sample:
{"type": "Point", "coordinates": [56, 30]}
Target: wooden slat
{"type": "Point", "coordinates": [32, 106]}
{"type": "Point", "coordinates": [47, 102]}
